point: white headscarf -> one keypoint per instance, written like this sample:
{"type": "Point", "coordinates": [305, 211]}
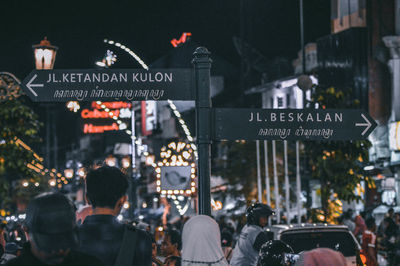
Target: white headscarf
{"type": "Point", "coordinates": [201, 243]}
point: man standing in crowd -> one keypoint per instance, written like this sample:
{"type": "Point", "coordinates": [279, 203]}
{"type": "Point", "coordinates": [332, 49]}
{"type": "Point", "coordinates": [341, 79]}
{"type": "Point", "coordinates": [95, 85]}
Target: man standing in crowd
{"type": "Point", "coordinates": [252, 236]}
{"type": "Point", "coordinates": [360, 226]}
{"type": "Point", "coordinates": [369, 243]}
{"type": "Point", "coordinates": [171, 244]}
{"type": "Point", "coordinates": [51, 229]}
{"type": "Point", "coordinates": [347, 216]}
{"type": "Point", "coordinates": [101, 234]}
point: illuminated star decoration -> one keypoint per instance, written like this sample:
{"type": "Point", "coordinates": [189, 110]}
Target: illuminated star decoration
{"type": "Point", "coordinates": [108, 60]}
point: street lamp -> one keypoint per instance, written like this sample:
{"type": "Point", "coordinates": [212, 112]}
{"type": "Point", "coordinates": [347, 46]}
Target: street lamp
{"type": "Point", "coordinates": [45, 54]}
{"type": "Point", "coordinates": [126, 162]}
{"type": "Point", "coordinates": [111, 161]}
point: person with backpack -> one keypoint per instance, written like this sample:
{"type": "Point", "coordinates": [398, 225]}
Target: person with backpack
{"type": "Point", "coordinates": [52, 238]}
{"type": "Point", "coordinates": [101, 234]}
{"type": "Point", "coordinates": [252, 236]}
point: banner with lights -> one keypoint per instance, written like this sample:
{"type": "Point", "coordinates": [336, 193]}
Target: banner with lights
{"type": "Point", "coordinates": [176, 173]}
{"type": "Point", "coordinates": [111, 111]}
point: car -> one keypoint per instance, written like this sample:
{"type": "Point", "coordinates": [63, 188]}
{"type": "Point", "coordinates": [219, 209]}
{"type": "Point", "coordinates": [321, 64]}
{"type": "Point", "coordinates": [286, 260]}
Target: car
{"type": "Point", "coordinates": [305, 237]}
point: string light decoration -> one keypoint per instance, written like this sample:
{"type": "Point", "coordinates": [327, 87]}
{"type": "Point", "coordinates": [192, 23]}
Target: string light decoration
{"type": "Point", "coordinates": [129, 51]}
{"type": "Point", "coordinates": [170, 103]}
{"type": "Point", "coordinates": [216, 205]}
{"type": "Point", "coordinates": [73, 106]}
{"type": "Point", "coordinates": [176, 154]}
{"type": "Point", "coordinates": [184, 127]}
{"type": "Point", "coordinates": [122, 125]}
{"type": "Point", "coordinates": [36, 166]}
{"type": "Point", "coordinates": [177, 201]}
{"type": "Point", "coordinates": [108, 60]}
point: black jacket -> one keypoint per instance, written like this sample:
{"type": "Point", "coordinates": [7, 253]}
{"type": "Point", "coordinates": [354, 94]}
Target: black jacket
{"type": "Point", "coordinates": [74, 258]}
{"type": "Point", "coordinates": [101, 236]}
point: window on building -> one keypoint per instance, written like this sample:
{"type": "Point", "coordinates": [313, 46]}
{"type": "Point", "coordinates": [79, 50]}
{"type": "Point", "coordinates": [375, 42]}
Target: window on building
{"type": "Point", "coordinates": [288, 100]}
{"type": "Point", "coordinates": [280, 102]}
{"type": "Point", "coordinates": [272, 102]}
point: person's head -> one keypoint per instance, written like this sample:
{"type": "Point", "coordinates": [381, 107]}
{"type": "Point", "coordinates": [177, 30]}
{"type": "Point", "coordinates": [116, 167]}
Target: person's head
{"type": "Point", "coordinates": [51, 227]}
{"type": "Point", "coordinates": [370, 223]}
{"type": "Point", "coordinates": [172, 261]}
{"type": "Point", "coordinates": [226, 238]}
{"type": "Point", "coordinates": [346, 215]}
{"type": "Point", "coordinates": [172, 243]}
{"type": "Point", "coordinates": [275, 253]}
{"type": "Point", "coordinates": [321, 257]}
{"type": "Point", "coordinates": [201, 241]}
{"type": "Point", "coordinates": [349, 214]}
{"type": "Point", "coordinates": [391, 212]}
{"type": "Point", "coordinates": [258, 214]}
{"type": "Point", "coordinates": [106, 188]}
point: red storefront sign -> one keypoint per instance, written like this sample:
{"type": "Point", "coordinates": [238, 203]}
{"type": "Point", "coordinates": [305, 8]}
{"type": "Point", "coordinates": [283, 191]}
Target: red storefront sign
{"type": "Point", "coordinates": [90, 128]}
{"type": "Point", "coordinates": [86, 114]}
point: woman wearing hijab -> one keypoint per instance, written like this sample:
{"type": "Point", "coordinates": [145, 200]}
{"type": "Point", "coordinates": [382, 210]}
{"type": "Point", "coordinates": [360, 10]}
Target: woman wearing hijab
{"type": "Point", "coordinates": [201, 242]}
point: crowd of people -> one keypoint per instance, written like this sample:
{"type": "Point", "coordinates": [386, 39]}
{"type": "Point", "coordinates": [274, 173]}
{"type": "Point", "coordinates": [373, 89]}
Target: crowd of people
{"type": "Point", "coordinates": [384, 238]}
{"type": "Point", "coordinates": [54, 233]}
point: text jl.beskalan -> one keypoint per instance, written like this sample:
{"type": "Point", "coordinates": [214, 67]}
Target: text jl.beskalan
{"type": "Point", "coordinates": [156, 77]}
{"type": "Point", "coordinates": [296, 117]}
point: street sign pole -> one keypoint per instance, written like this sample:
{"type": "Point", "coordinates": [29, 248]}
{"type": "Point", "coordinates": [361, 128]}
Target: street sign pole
{"type": "Point", "coordinates": [202, 66]}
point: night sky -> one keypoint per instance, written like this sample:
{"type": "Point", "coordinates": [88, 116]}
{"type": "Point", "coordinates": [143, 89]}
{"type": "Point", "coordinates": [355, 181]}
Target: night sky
{"type": "Point", "coordinates": [79, 27]}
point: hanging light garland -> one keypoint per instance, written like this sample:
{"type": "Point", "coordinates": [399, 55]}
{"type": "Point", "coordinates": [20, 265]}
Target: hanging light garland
{"type": "Point", "coordinates": [55, 177]}
{"type": "Point", "coordinates": [170, 103]}
{"type": "Point", "coordinates": [177, 201]}
{"type": "Point", "coordinates": [129, 51]}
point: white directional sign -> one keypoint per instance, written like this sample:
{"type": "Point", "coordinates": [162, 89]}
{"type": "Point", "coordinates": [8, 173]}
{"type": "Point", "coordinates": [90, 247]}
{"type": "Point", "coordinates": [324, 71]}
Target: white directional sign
{"type": "Point", "coordinates": [292, 124]}
{"type": "Point", "coordinates": [109, 85]}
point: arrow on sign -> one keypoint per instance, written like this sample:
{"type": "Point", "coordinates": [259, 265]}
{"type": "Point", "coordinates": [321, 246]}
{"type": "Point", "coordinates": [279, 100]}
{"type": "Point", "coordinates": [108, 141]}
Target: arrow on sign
{"type": "Point", "coordinates": [29, 85]}
{"type": "Point", "coordinates": [368, 125]}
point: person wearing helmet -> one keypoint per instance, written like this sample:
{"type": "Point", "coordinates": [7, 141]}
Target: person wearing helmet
{"type": "Point", "coordinates": [252, 236]}
{"type": "Point", "coordinates": [276, 253]}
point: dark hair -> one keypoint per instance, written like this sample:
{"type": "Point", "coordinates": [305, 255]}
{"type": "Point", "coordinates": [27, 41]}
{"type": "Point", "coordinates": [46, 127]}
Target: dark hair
{"type": "Point", "coordinates": [226, 238]}
{"type": "Point", "coordinates": [174, 237]}
{"type": "Point", "coordinates": [257, 210]}
{"type": "Point", "coordinates": [105, 186]}
{"type": "Point", "coordinates": [370, 222]}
